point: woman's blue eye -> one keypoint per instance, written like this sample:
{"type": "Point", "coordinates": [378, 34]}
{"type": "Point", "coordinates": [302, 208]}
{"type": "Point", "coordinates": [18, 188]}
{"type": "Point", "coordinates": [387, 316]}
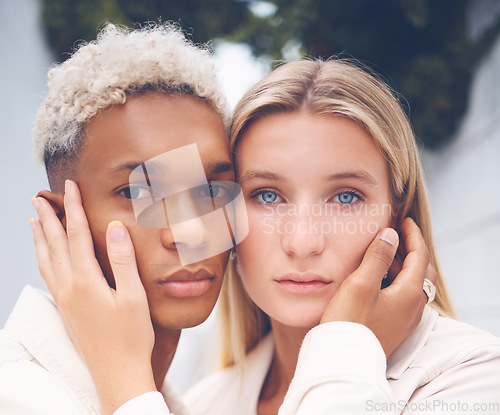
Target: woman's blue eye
{"type": "Point", "coordinates": [267, 197]}
{"type": "Point", "coordinates": [347, 197]}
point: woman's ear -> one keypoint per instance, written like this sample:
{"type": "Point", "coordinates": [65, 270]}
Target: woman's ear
{"type": "Point", "coordinates": [56, 200]}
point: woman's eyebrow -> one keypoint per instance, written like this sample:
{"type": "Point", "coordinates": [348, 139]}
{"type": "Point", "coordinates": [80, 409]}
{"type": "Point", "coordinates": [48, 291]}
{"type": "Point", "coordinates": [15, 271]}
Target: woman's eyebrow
{"type": "Point", "coordinates": [261, 174]}
{"type": "Point", "coordinates": [362, 175]}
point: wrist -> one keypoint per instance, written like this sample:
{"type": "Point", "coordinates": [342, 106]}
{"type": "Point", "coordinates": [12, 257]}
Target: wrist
{"type": "Point", "coordinates": [115, 390]}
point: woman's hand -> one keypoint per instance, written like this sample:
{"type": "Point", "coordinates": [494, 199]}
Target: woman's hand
{"type": "Point", "coordinates": [111, 328]}
{"type": "Point", "coordinates": [394, 312]}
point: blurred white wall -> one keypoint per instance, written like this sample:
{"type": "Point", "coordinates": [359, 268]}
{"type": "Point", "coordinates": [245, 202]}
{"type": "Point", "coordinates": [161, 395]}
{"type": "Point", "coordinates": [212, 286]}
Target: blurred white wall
{"type": "Point", "coordinates": [464, 185]}
{"type": "Point", "coordinates": [464, 178]}
{"type": "Point", "coordinates": [24, 61]}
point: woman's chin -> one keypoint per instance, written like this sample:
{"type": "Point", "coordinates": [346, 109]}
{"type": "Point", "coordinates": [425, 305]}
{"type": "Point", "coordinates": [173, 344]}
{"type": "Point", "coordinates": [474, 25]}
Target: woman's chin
{"type": "Point", "coordinates": [300, 318]}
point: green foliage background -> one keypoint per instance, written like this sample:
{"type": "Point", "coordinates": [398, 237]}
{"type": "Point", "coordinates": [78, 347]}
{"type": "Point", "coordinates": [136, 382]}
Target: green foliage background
{"type": "Point", "coordinates": [421, 47]}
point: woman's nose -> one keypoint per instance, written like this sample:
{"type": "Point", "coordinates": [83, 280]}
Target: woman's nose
{"type": "Point", "coordinates": [302, 236]}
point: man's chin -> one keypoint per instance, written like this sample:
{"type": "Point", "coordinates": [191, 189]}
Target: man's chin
{"type": "Point", "coordinates": [179, 322]}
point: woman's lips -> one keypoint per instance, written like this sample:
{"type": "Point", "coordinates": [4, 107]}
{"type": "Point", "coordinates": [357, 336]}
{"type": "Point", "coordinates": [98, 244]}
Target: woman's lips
{"type": "Point", "coordinates": [302, 283]}
{"type": "Point", "coordinates": [185, 283]}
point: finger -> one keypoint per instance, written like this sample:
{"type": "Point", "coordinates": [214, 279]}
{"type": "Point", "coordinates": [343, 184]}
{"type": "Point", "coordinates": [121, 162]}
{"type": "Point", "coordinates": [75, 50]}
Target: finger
{"type": "Point", "coordinates": [121, 256]}
{"type": "Point", "coordinates": [56, 238]}
{"type": "Point", "coordinates": [432, 274]}
{"type": "Point", "coordinates": [379, 256]}
{"type": "Point", "coordinates": [415, 264]}
{"type": "Point", "coordinates": [81, 245]}
{"type": "Point", "coordinates": [43, 257]}
{"type": "Point", "coordinates": [396, 266]}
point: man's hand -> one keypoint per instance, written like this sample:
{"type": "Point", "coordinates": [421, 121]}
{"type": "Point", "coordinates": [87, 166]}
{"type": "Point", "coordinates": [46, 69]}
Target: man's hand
{"type": "Point", "coordinates": [394, 312]}
{"type": "Point", "coordinates": [111, 328]}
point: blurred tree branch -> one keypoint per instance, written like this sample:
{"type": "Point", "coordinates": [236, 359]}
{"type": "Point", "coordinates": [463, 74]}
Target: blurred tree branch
{"type": "Point", "coordinates": [421, 47]}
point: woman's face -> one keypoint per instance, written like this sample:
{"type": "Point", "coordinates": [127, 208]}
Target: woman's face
{"type": "Point", "coordinates": [317, 192]}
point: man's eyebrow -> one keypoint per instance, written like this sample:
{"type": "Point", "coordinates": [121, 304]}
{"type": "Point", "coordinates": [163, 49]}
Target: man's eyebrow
{"type": "Point", "coordinates": [261, 174]}
{"type": "Point", "coordinates": [212, 168]}
{"type": "Point", "coordinates": [356, 174]}
{"type": "Point", "coordinates": [131, 165]}
{"type": "Point", "coordinates": [219, 167]}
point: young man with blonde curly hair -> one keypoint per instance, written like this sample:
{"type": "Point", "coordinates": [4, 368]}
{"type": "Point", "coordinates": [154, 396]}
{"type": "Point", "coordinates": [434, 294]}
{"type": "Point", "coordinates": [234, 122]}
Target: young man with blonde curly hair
{"type": "Point", "coordinates": [112, 106]}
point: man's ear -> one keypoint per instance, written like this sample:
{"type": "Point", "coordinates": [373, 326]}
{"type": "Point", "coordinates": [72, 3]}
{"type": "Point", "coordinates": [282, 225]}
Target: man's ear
{"type": "Point", "coordinates": [56, 200]}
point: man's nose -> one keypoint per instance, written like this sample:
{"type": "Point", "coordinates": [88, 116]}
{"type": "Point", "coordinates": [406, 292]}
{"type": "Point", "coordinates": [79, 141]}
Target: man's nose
{"type": "Point", "coordinates": [184, 216]}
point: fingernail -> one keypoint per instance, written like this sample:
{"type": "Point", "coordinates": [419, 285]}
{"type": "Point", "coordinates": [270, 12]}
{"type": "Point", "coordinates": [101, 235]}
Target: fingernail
{"type": "Point", "coordinates": [389, 235]}
{"type": "Point", "coordinates": [35, 203]}
{"type": "Point", "coordinates": [32, 223]}
{"type": "Point", "coordinates": [117, 231]}
{"type": "Point", "coordinates": [67, 186]}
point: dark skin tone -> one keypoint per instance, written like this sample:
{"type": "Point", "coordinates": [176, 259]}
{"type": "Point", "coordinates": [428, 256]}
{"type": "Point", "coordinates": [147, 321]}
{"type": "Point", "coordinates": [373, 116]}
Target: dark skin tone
{"type": "Point", "coordinates": [118, 138]}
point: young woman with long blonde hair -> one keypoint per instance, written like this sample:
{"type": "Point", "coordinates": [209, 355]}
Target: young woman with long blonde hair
{"type": "Point", "coordinates": [329, 168]}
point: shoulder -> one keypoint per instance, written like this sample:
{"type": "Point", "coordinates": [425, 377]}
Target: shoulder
{"type": "Point", "coordinates": [11, 349]}
{"type": "Point", "coordinates": [27, 388]}
{"type": "Point", "coordinates": [38, 375]}
{"type": "Point", "coordinates": [454, 342]}
{"type": "Point", "coordinates": [440, 344]}
{"type": "Point", "coordinates": [457, 362]}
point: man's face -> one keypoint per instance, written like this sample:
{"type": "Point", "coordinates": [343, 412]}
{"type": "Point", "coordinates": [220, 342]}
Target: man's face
{"type": "Point", "coordinates": [121, 138]}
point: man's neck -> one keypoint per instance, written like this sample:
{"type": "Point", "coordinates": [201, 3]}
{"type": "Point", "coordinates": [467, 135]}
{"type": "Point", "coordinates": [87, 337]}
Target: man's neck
{"type": "Point", "coordinates": [163, 353]}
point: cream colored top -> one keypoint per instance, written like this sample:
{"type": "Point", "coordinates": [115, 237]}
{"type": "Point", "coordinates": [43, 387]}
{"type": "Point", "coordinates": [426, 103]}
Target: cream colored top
{"type": "Point", "coordinates": [41, 372]}
{"type": "Point", "coordinates": [444, 367]}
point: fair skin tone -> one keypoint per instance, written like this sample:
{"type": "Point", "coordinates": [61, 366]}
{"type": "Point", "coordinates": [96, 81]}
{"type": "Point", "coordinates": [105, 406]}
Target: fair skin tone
{"type": "Point", "coordinates": [87, 261]}
{"type": "Point", "coordinates": [361, 300]}
{"type": "Point", "coordinates": [333, 176]}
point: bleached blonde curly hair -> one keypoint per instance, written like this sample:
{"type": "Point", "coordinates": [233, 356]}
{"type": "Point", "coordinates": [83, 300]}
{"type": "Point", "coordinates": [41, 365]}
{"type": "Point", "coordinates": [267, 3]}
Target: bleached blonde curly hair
{"type": "Point", "coordinates": [119, 64]}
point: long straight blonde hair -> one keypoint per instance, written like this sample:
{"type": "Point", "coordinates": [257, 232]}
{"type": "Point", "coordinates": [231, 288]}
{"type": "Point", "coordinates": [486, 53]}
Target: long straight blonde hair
{"type": "Point", "coordinates": [331, 87]}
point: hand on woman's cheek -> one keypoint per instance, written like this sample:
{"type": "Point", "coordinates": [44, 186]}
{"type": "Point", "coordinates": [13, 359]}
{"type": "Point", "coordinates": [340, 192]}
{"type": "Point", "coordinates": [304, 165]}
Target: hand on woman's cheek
{"type": "Point", "coordinates": [313, 210]}
{"type": "Point", "coordinates": [391, 313]}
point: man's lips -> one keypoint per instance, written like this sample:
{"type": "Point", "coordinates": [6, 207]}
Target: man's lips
{"type": "Point", "coordinates": [186, 283]}
{"type": "Point", "coordinates": [302, 283]}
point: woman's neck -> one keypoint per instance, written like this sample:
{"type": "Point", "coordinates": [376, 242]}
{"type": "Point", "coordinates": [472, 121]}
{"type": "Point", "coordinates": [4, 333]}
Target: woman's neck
{"type": "Point", "coordinates": [287, 346]}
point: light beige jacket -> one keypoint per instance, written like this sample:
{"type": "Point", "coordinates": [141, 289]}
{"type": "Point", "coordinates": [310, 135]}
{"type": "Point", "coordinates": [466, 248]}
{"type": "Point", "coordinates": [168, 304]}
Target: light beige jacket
{"type": "Point", "coordinates": [443, 367]}
{"type": "Point", "coordinates": [41, 372]}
